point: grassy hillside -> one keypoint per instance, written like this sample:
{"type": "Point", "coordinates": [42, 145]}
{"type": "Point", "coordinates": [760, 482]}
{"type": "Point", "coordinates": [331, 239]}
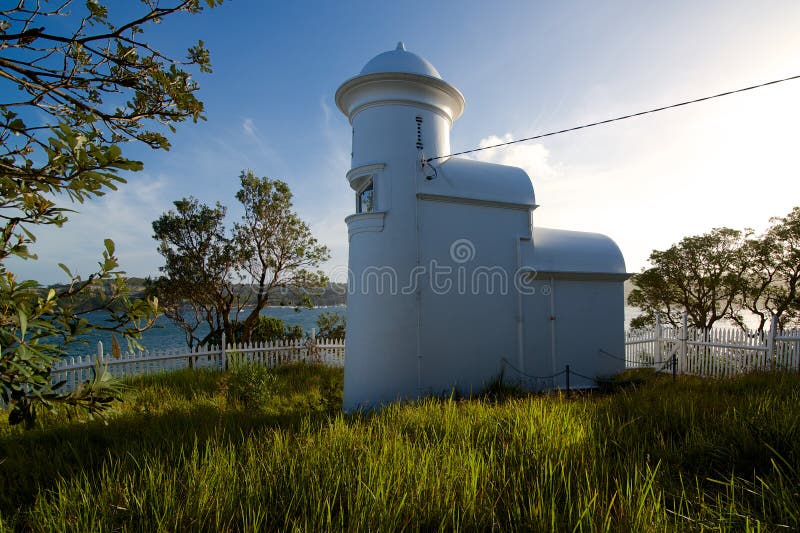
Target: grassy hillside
{"type": "Point", "coordinates": [255, 450]}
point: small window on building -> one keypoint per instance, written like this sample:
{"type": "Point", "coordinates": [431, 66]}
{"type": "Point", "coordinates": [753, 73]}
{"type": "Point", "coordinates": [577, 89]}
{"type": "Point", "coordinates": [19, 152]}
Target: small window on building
{"type": "Point", "coordinates": [365, 199]}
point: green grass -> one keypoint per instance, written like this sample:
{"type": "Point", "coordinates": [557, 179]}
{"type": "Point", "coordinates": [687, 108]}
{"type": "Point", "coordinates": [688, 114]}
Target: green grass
{"type": "Point", "coordinates": [189, 451]}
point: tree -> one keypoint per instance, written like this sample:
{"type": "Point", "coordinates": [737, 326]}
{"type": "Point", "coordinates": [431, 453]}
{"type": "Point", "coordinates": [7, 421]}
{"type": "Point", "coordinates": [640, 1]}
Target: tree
{"type": "Point", "coordinates": [701, 275]}
{"type": "Point", "coordinates": [199, 285]}
{"type": "Point", "coordinates": [772, 274]}
{"type": "Point", "coordinates": [725, 274]}
{"type": "Point", "coordinates": [331, 326]}
{"type": "Point", "coordinates": [786, 231]}
{"type": "Point", "coordinates": [70, 99]}
{"type": "Point", "coordinates": [277, 247]}
{"type": "Point", "coordinates": [212, 277]}
{"type": "Point", "coordinates": [267, 329]}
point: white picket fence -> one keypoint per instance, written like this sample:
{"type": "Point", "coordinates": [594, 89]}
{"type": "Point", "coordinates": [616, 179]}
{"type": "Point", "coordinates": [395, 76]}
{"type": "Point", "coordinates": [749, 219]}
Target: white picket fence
{"type": "Point", "coordinates": [717, 352]}
{"type": "Point", "coordinates": [76, 370]}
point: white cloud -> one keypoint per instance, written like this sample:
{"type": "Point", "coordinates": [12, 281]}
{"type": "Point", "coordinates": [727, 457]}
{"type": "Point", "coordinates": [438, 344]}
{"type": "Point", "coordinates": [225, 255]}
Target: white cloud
{"type": "Point", "coordinates": [603, 198]}
{"type": "Point", "coordinates": [533, 158]}
{"type": "Point", "coordinates": [649, 183]}
{"type": "Point", "coordinates": [212, 166]}
{"type": "Point", "coordinates": [249, 127]}
{"type": "Point", "coordinates": [330, 230]}
{"type": "Point", "coordinates": [323, 197]}
{"type": "Point", "coordinates": [125, 216]}
{"type": "Point", "coordinates": [338, 153]}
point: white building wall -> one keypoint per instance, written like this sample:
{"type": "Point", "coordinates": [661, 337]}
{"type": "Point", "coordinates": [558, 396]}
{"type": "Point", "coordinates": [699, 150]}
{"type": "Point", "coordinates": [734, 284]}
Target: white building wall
{"type": "Point", "coordinates": [568, 322]}
{"type": "Point", "coordinates": [589, 317]}
{"type": "Point", "coordinates": [469, 307]}
{"type": "Point", "coordinates": [538, 334]}
{"type": "Point", "coordinates": [382, 341]}
{"type": "Point", "coordinates": [389, 131]}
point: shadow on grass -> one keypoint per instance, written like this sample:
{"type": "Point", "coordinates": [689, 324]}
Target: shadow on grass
{"type": "Point", "coordinates": [166, 415]}
{"type": "Point", "coordinates": [716, 438]}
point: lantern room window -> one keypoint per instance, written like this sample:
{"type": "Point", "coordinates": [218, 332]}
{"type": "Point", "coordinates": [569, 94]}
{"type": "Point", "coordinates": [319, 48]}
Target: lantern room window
{"type": "Point", "coordinates": [371, 197]}
{"type": "Point", "coordinates": [365, 198]}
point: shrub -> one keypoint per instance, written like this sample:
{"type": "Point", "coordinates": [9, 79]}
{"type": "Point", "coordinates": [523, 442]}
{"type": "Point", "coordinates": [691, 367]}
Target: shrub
{"type": "Point", "coordinates": [251, 386]}
{"type": "Point", "coordinates": [271, 329]}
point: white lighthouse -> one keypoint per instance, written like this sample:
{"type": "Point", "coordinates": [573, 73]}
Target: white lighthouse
{"type": "Point", "coordinates": [449, 283]}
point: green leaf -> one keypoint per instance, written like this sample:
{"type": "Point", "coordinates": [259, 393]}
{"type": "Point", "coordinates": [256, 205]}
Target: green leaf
{"type": "Point", "coordinates": [28, 234]}
{"type": "Point", "coordinates": [23, 321]}
{"type": "Point", "coordinates": [113, 152]}
{"type": "Point", "coordinates": [116, 352]}
{"type": "Point", "coordinates": [109, 246]}
{"type": "Point", "coordinates": [16, 125]}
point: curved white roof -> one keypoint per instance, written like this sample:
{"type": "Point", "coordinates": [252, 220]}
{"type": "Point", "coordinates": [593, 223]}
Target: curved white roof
{"type": "Point", "coordinates": [398, 76]}
{"type": "Point", "coordinates": [467, 178]}
{"type": "Point", "coordinates": [577, 252]}
{"type": "Point", "coordinates": [400, 60]}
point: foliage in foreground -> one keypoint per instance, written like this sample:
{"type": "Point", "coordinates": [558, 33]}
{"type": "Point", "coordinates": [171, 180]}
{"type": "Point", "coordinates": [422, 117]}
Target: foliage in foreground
{"type": "Point", "coordinates": [77, 81]}
{"type": "Point", "coordinates": [184, 453]}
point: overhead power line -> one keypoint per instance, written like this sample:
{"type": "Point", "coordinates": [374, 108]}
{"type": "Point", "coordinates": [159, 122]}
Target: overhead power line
{"type": "Point", "coordinates": [616, 119]}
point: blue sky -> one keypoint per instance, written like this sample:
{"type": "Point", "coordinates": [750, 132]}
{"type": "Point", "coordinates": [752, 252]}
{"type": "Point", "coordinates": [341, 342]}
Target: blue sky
{"type": "Point", "coordinates": [524, 68]}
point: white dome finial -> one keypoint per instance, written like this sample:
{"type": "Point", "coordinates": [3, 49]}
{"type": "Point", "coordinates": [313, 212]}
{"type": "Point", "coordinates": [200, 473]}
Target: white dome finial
{"type": "Point", "coordinates": [401, 46]}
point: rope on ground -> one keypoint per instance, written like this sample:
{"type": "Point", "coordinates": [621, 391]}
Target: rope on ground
{"type": "Point", "coordinates": [627, 361]}
{"type": "Point", "coordinates": [530, 376]}
{"type": "Point", "coordinates": [570, 372]}
{"type": "Point", "coordinates": [593, 380]}
{"type": "Point", "coordinates": [664, 366]}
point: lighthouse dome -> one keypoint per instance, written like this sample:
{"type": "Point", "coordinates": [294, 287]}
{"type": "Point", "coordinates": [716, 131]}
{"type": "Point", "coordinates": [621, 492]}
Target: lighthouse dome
{"type": "Point", "coordinates": [399, 76]}
{"type": "Point", "coordinates": [400, 60]}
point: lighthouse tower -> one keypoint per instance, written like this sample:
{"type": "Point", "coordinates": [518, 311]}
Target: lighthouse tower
{"type": "Point", "coordinates": [400, 110]}
{"type": "Point", "coordinates": [449, 283]}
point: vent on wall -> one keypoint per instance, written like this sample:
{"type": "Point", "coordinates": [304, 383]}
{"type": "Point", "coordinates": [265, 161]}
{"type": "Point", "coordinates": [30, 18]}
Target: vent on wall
{"type": "Point", "coordinates": [419, 132]}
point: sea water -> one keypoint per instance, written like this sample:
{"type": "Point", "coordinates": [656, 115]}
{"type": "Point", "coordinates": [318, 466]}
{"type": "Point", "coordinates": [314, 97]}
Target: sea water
{"type": "Point", "coordinates": [166, 335]}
